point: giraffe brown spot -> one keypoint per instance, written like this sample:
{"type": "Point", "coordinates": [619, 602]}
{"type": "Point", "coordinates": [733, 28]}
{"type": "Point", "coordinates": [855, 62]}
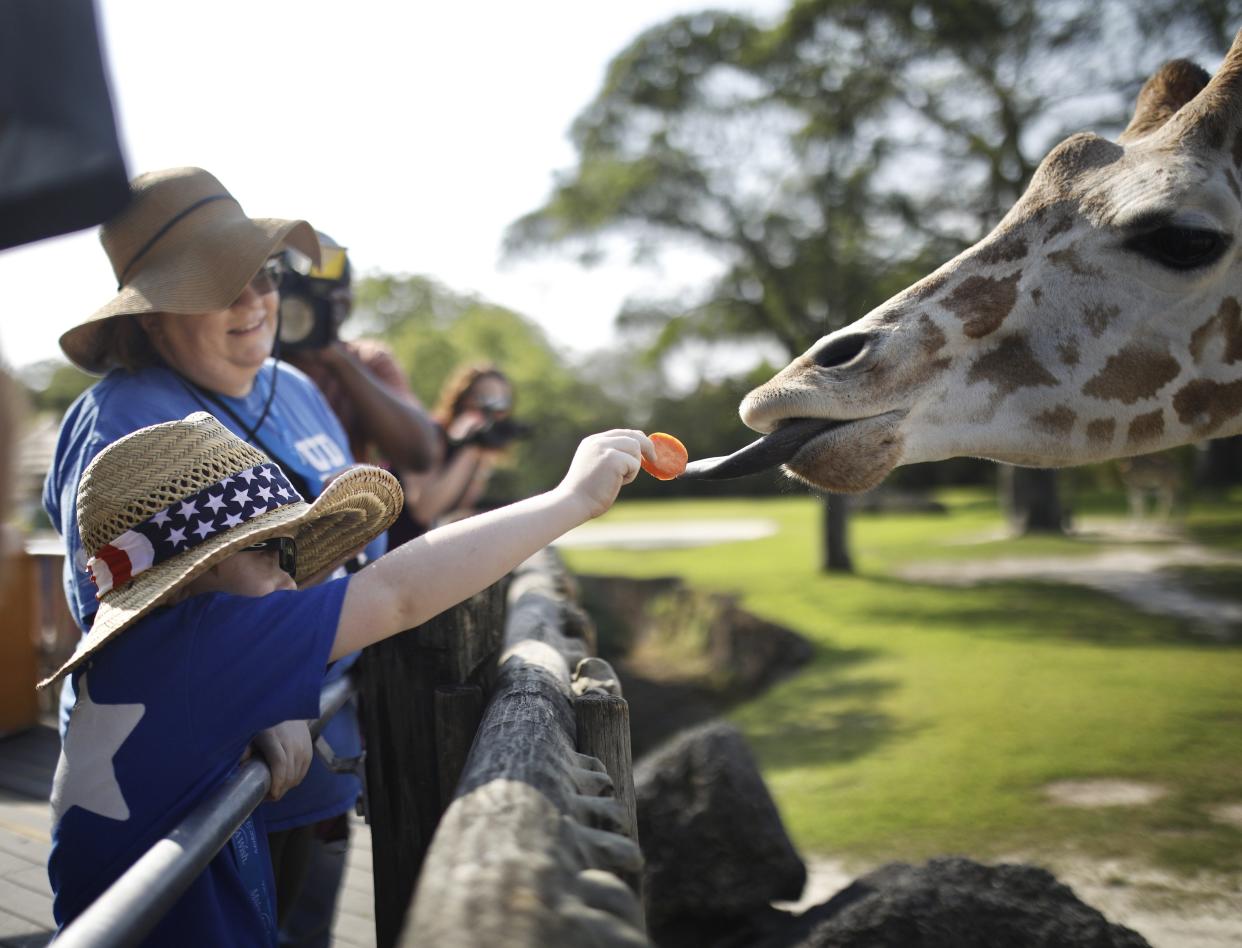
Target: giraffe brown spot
{"type": "Point", "coordinates": [927, 286]}
{"type": "Point", "coordinates": [1205, 405]}
{"type": "Point", "coordinates": [1098, 315]}
{"type": "Point", "coordinates": [1137, 371]}
{"type": "Point", "coordinates": [1011, 365]}
{"type": "Point", "coordinates": [1063, 223]}
{"type": "Point", "coordinates": [1003, 249]}
{"type": "Point", "coordinates": [1145, 428]}
{"type": "Point", "coordinates": [1101, 430]}
{"type": "Point", "coordinates": [1068, 351]}
{"type": "Point", "coordinates": [1056, 421]}
{"type": "Point", "coordinates": [982, 303]}
{"type": "Point", "coordinates": [931, 337]}
{"type": "Point", "coordinates": [1227, 324]}
{"type": "Point", "coordinates": [1069, 258]}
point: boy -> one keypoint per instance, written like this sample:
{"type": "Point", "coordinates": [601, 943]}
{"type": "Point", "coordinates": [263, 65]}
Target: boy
{"type": "Point", "coordinates": [203, 639]}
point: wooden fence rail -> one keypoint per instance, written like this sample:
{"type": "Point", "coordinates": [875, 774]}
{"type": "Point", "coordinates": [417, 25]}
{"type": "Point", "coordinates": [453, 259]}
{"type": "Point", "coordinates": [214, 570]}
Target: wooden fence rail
{"type": "Point", "coordinates": [538, 844]}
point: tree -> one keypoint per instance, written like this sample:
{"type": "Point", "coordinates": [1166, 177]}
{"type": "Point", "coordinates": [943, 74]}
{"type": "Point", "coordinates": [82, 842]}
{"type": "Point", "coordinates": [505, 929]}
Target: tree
{"type": "Point", "coordinates": [831, 159]}
{"type": "Point", "coordinates": [432, 330]}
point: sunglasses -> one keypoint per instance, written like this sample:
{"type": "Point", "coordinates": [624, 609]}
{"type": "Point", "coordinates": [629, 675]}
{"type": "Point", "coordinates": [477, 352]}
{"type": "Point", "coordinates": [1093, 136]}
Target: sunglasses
{"type": "Point", "coordinates": [285, 548]}
{"type": "Point", "coordinates": [268, 278]}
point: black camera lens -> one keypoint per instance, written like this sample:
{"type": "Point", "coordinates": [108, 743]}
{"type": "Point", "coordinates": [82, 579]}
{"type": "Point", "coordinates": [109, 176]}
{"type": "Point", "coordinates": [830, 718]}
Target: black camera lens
{"type": "Point", "coordinates": [297, 320]}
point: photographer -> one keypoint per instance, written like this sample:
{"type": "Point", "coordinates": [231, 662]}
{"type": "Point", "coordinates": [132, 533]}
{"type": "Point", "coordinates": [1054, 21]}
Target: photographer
{"type": "Point", "coordinates": [475, 412]}
{"type": "Point", "coordinates": [361, 381]}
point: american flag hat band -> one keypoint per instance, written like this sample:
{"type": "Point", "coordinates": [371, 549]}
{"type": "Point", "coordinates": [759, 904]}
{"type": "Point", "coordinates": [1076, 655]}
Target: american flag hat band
{"type": "Point", "coordinates": [188, 522]}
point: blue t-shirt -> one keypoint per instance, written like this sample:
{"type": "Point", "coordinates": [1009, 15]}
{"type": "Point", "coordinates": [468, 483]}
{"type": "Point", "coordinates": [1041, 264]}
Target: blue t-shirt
{"type": "Point", "coordinates": [305, 439]}
{"type": "Point", "coordinates": [149, 738]}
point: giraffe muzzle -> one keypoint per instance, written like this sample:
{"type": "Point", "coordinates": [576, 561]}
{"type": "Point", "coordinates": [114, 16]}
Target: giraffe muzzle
{"type": "Point", "coordinates": [762, 454]}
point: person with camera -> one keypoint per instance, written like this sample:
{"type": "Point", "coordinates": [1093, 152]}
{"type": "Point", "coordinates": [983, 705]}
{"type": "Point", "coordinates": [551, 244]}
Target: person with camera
{"type": "Point", "coordinates": [360, 379]}
{"type": "Point", "coordinates": [474, 412]}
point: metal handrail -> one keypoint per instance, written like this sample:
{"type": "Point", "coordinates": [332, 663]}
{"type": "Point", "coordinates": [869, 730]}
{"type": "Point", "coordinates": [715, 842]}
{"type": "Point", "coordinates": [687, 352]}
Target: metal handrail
{"type": "Point", "coordinates": [127, 911]}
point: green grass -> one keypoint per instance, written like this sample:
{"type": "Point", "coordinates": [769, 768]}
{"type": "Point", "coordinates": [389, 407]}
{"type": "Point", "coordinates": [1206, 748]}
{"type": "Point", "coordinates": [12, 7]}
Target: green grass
{"type": "Point", "coordinates": [931, 718]}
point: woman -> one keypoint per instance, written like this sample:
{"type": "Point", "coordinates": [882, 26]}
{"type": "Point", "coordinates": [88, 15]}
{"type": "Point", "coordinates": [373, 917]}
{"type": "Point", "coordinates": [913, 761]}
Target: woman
{"type": "Point", "coordinates": [473, 411]}
{"type": "Point", "coordinates": [191, 328]}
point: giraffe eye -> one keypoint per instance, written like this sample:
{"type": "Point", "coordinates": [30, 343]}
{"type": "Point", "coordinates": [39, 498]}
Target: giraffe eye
{"type": "Point", "coordinates": [1180, 248]}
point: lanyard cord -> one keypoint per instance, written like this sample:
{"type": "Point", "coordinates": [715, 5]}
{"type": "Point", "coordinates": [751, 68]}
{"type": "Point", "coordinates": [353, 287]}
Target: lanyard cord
{"type": "Point", "coordinates": [250, 432]}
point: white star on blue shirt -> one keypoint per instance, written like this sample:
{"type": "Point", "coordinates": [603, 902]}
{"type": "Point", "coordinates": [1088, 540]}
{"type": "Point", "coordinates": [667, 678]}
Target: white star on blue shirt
{"type": "Point", "coordinates": [247, 476]}
{"type": "Point", "coordinates": [176, 537]}
{"type": "Point", "coordinates": [188, 509]}
{"type": "Point", "coordinates": [215, 503]}
{"type": "Point", "coordinates": [240, 497]}
{"type": "Point", "coordinates": [85, 773]}
{"type": "Point", "coordinates": [204, 528]}
{"type": "Point", "coordinates": [160, 518]}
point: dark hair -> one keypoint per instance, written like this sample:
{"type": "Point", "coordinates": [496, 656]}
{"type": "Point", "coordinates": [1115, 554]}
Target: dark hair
{"type": "Point", "coordinates": [125, 344]}
{"type": "Point", "coordinates": [458, 385]}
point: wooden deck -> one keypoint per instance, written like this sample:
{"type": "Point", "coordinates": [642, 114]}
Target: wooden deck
{"type": "Point", "coordinates": [27, 761]}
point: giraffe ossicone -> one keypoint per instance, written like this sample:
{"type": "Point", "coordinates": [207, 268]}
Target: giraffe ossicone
{"type": "Point", "coordinates": [1100, 319]}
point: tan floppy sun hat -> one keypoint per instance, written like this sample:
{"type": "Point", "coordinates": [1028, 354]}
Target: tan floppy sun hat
{"type": "Point", "coordinates": [164, 504]}
{"type": "Point", "coordinates": [182, 245]}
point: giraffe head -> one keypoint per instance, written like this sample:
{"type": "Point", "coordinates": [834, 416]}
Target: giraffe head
{"type": "Point", "coordinates": [1101, 318]}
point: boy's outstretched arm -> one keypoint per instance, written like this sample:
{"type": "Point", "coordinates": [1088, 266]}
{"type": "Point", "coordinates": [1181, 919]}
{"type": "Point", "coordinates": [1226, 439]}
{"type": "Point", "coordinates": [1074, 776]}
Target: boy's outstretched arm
{"type": "Point", "coordinates": [446, 566]}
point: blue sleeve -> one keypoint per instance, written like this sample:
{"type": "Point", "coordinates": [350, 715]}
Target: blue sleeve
{"type": "Point", "coordinates": [260, 660]}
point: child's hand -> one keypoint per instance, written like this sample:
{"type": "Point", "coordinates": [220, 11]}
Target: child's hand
{"type": "Point", "coordinates": [288, 750]}
{"type": "Point", "coordinates": [601, 465]}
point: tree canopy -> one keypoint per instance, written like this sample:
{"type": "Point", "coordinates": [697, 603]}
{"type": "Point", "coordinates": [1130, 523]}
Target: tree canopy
{"type": "Point", "coordinates": [830, 159]}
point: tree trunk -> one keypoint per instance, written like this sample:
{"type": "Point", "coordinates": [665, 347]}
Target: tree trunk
{"type": "Point", "coordinates": [835, 551]}
{"type": "Point", "coordinates": [1031, 500]}
{"type": "Point", "coordinates": [1218, 464]}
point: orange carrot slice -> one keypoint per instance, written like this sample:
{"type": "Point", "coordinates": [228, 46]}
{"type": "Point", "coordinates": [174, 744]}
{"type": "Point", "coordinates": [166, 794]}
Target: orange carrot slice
{"type": "Point", "coordinates": [671, 457]}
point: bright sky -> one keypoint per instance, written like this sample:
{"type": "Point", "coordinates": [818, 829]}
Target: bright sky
{"type": "Point", "coordinates": [411, 132]}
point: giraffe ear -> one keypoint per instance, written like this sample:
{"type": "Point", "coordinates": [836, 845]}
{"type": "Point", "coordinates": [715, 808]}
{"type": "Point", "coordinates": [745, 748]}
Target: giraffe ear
{"type": "Point", "coordinates": [1208, 118]}
{"type": "Point", "coordinates": [1172, 86]}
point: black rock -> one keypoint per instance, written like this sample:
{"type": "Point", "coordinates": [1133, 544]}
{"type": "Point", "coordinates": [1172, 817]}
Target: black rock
{"type": "Point", "coordinates": [952, 903]}
{"type": "Point", "coordinates": [714, 843]}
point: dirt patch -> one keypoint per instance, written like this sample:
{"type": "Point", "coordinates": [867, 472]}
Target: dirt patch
{"type": "Point", "coordinates": [1227, 813]}
{"type": "Point", "coordinates": [1142, 578]}
{"type": "Point", "coordinates": [1097, 793]}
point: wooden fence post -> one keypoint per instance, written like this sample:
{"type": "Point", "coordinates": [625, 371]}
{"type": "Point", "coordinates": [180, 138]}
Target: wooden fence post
{"type": "Point", "coordinates": [399, 680]}
{"type": "Point", "coordinates": [604, 733]}
{"type": "Point", "coordinates": [533, 848]}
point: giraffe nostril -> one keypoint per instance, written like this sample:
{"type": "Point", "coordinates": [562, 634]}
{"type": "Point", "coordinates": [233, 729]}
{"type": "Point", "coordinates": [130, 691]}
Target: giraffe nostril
{"type": "Point", "coordinates": [837, 350]}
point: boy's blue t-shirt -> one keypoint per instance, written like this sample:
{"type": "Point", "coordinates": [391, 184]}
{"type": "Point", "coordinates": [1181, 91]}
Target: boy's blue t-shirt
{"type": "Point", "coordinates": [306, 439]}
{"type": "Point", "coordinates": [150, 737]}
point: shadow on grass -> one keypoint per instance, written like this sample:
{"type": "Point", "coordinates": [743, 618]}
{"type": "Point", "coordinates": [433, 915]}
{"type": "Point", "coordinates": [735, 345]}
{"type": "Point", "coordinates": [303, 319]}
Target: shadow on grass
{"type": "Point", "coordinates": [1035, 610]}
{"type": "Point", "coordinates": [827, 713]}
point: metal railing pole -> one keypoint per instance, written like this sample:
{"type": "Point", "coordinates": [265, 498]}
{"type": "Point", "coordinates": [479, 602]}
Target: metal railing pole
{"type": "Point", "coordinates": [127, 911]}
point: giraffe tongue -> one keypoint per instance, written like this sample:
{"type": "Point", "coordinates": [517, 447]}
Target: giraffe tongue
{"type": "Point", "coordinates": [766, 452]}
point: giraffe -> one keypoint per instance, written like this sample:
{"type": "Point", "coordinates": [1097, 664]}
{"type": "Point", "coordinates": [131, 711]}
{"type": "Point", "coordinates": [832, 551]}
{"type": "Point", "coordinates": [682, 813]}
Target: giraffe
{"type": "Point", "coordinates": [1099, 319]}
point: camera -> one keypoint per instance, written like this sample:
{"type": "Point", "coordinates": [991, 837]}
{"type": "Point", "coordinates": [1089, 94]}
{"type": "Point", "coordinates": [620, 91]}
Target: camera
{"type": "Point", "coordinates": [497, 431]}
{"type": "Point", "coordinates": [314, 300]}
